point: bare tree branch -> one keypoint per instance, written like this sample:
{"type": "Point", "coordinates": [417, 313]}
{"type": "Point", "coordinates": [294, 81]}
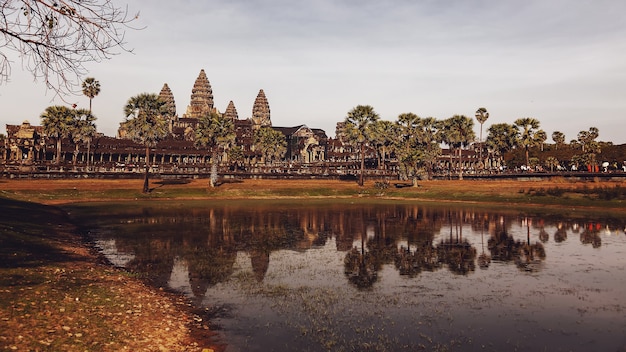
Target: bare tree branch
{"type": "Point", "coordinates": [56, 38]}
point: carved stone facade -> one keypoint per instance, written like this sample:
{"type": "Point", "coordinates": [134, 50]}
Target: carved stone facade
{"type": "Point", "coordinates": [261, 111]}
{"type": "Point", "coordinates": [201, 98]}
{"type": "Point", "coordinates": [24, 143]}
{"type": "Point", "coordinates": [304, 145]}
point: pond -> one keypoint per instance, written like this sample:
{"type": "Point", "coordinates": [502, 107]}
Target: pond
{"type": "Point", "coordinates": [384, 276]}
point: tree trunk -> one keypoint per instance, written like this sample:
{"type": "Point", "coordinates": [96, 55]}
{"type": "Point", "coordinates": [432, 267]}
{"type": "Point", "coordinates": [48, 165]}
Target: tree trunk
{"type": "Point", "coordinates": [213, 178]}
{"type": "Point", "coordinates": [361, 183]}
{"type": "Point", "coordinates": [88, 150]}
{"type": "Point", "coordinates": [58, 161]}
{"type": "Point", "coordinates": [75, 156]}
{"type": "Point", "coordinates": [481, 143]}
{"type": "Point", "coordinates": [460, 163]}
{"type": "Point", "coordinates": [450, 165]}
{"type": "Point", "coordinates": [146, 184]}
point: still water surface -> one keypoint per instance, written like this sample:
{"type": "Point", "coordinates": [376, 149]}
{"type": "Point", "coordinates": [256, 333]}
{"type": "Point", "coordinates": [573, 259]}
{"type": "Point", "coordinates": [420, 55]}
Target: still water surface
{"type": "Point", "coordinates": [320, 275]}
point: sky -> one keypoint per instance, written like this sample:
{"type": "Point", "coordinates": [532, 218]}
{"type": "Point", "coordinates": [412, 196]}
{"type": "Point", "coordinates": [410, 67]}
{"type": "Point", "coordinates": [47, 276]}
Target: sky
{"type": "Point", "coordinates": [562, 62]}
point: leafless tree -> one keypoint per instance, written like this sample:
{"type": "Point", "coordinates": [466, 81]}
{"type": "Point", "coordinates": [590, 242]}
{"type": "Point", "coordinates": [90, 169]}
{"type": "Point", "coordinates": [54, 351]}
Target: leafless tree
{"type": "Point", "coordinates": [55, 38]}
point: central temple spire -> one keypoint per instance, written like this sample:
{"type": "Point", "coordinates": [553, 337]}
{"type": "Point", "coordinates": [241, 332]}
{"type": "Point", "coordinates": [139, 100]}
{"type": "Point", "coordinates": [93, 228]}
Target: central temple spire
{"type": "Point", "coordinates": [261, 110]}
{"type": "Point", "coordinates": [201, 98]}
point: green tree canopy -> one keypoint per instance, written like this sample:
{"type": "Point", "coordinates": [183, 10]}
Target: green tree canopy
{"type": "Point", "coordinates": [82, 129]}
{"type": "Point", "coordinates": [91, 88]}
{"type": "Point", "coordinates": [501, 138]}
{"type": "Point", "coordinates": [215, 132]}
{"type": "Point", "coordinates": [530, 135]}
{"type": "Point", "coordinates": [57, 123]}
{"type": "Point", "coordinates": [270, 143]}
{"type": "Point", "coordinates": [145, 124]}
{"type": "Point", "coordinates": [458, 133]}
{"type": "Point", "coordinates": [358, 130]}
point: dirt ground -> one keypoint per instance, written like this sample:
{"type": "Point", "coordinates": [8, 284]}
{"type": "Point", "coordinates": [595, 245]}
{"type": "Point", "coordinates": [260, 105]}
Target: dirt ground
{"type": "Point", "coordinates": [57, 294]}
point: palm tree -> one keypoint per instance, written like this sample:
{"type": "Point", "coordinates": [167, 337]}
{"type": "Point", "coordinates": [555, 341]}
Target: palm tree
{"type": "Point", "coordinates": [552, 162]}
{"type": "Point", "coordinates": [383, 137]}
{"type": "Point", "coordinates": [357, 129]}
{"type": "Point", "coordinates": [145, 124]}
{"type": "Point", "coordinates": [215, 132]}
{"type": "Point", "coordinates": [529, 135]}
{"type": "Point", "coordinates": [270, 143]}
{"type": "Point", "coordinates": [406, 142]}
{"type": "Point", "coordinates": [82, 129]}
{"type": "Point", "coordinates": [91, 88]}
{"type": "Point", "coordinates": [235, 155]}
{"type": "Point", "coordinates": [430, 136]}
{"type": "Point", "coordinates": [541, 138]}
{"type": "Point", "coordinates": [558, 138]}
{"type": "Point", "coordinates": [481, 115]}
{"type": "Point", "coordinates": [590, 147]}
{"type": "Point", "coordinates": [501, 138]}
{"type": "Point", "coordinates": [586, 137]}
{"type": "Point", "coordinates": [57, 122]}
{"type": "Point", "coordinates": [459, 133]}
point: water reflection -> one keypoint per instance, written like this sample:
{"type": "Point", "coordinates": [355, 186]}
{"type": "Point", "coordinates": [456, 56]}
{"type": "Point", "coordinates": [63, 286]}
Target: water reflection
{"type": "Point", "coordinates": [207, 239]}
{"type": "Point", "coordinates": [410, 250]}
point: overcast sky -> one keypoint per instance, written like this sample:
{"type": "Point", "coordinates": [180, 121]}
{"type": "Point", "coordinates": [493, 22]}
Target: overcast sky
{"type": "Point", "coordinates": [561, 62]}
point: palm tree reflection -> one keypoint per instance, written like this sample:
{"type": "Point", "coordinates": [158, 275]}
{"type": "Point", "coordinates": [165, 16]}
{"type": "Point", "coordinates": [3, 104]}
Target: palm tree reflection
{"type": "Point", "coordinates": [424, 257]}
{"type": "Point", "coordinates": [361, 267]}
{"type": "Point", "coordinates": [456, 252]}
{"type": "Point", "coordinates": [483, 259]}
{"type": "Point", "coordinates": [527, 256]}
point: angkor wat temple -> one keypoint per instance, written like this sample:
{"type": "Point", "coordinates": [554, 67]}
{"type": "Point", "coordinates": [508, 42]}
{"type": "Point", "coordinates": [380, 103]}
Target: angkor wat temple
{"type": "Point", "coordinates": [28, 146]}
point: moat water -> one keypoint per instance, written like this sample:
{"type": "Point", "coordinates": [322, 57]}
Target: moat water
{"type": "Point", "coordinates": [389, 276]}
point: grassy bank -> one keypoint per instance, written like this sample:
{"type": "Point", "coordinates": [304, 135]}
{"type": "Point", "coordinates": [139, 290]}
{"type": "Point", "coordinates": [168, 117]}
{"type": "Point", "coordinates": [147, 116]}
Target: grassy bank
{"type": "Point", "coordinates": [556, 192]}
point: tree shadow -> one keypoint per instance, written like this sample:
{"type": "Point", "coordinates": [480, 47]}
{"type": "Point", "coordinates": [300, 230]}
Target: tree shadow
{"type": "Point", "coordinates": [32, 234]}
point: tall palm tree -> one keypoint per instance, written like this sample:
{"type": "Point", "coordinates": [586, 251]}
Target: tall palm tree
{"type": "Point", "coordinates": [542, 137]}
{"type": "Point", "coordinates": [558, 138]}
{"type": "Point", "coordinates": [91, 88]}
{"type": "Point", "coordinates": [357, 128]}
{"type": "Point", "coordinates": [590, 147]}
{"type": "Point", "coordinates": [145, 124]}
{"type": "Point", "coordinates": [57, 121]}
{"type": "Point", "coordinates": [383, 137]}
{"type": "Point", "coordinates": [215, 132]}
{"type": "Point", "coordinates": [405, 146]}
{"type": "Point", "coordinates": [501, 138]}
{"type": "Point", "coordinates": [481, 115]}
{"type": "Point", "coordinates": [459, 133]}
{"type": "Point", "coordinates": [430, 137]}
{"type": "Point", "coordinates": [529, 135]}
{"type": "Point", "coordinates": [82, 129]}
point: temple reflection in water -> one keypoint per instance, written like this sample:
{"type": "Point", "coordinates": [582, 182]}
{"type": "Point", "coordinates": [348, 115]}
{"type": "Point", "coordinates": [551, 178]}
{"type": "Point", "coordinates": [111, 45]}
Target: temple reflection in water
{"type": "Point", "coordinates": [200, 247]}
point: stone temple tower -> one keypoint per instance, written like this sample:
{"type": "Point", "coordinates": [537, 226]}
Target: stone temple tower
{"type": "Point", "coordinates": [231, 112]}
{"type": "Point", "coordinates": [167, 96]}
{"type": "Point", "coordinates": [201, 98]}
{"type": "Point", "coordinates": [261, 111]}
